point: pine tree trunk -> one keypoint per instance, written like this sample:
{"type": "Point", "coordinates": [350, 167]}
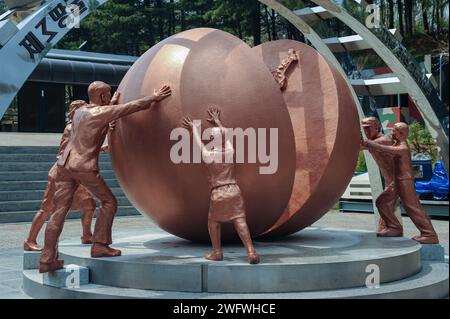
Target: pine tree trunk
{"type": "Point", "coordinates": [266, 19]}
{"type": "Point", "coordinates": [400, 17]}
{"type": "Point", "coordinates": [183, 20]}
{"type": "Point", "coordinates": [426, 25]}
{"type": "Point", "coordinates": [159, 5]}
{"type": "Point", "coordinates": [409, 17]}
{"type": "Point", "coordinates": [273, 18]}
{"type": "Point", "coordinates": [256, 22]}
{"type": "Point", "coordinates": [438, 16]}
{"type": "Point", "coordinates": [391, 13]}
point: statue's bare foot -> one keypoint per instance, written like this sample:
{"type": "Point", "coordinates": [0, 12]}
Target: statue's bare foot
{"type": "Point", "coordinates": [31, 246]}
{"type": "Point", "coordinates": [100, 250]}
{"type": "Point", "coordinates": [55, 265]}
{"type": "Point", "coordinates": [389, 232]}
{"type": "Point", "coordinates": [215, 256]}
{"type": "Point", "coordinates": [253, 259]}
{"type": "Point", "coordinates": [86, 240]}
{"type": "Point", "coordinates": [427, 240]}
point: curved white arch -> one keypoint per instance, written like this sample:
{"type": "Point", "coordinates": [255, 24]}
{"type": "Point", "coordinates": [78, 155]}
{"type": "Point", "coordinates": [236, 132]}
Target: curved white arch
{"type": "Point", "coordinates": [415, 91]}
{"type": "Point", "coordinates": [31, 40]}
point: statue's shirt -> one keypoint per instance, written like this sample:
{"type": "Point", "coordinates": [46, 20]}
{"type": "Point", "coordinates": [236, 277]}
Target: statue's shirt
{"type": "Point", "coordinates": [89, 128]}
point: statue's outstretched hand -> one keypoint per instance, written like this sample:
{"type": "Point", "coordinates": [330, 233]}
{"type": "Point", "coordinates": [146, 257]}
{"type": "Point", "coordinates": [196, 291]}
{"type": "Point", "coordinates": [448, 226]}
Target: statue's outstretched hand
{"type": "Point", "coordinates": [112, 125]}
{"type": "Point", "coordinates": [162, 93]}
{"type": "Point", "coordinates": [365, 143]}
{"type": "Point", "coordinates": [115, 98]}
{"type": "Point", "coordinates": [188, 123]}
{"type": "Point", "coordinates": [214, 114]}
{"type": "Point", "coordinates": [104, 149]}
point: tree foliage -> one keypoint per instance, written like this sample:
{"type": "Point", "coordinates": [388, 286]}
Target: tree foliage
{"type": "Point", "coordinates": [421, 141]}
{"type": "Point", "coordinates": [131, 27]}
{"type": "Point", "coordinates": [422, 23]}
{"type": "Point", "coordinates": [2, 7]}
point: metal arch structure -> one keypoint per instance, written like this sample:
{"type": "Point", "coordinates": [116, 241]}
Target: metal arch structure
{"type": "Point", "coordinates": [418, 93]}
{"type": "Point", "coordinates": [28, 42]}
{"type": "Point", "coordinates": [376, 183]}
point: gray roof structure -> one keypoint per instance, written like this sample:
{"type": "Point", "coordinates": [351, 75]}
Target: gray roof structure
{"type": "Point", "coordinates": [81, 68]}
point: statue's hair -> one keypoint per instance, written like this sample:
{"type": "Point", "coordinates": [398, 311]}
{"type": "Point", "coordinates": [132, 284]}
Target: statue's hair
{"type": "Point", "coordinates": [96, 88]}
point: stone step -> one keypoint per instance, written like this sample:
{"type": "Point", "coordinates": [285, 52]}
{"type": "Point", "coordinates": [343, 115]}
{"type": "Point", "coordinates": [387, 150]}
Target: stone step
{"type": "Point", "coordinates": [70, 276]}
{"type": "Point", "coordinates": [37, 166]}
{"type": "Point", "coordinates": [37, 194]}
{"type": "Point", "coordinates": [431, 283]}
{"type": "Point", "coordinates": [27, 216]}
{"type": "Point", "coordinates": [30, 205]}
{"type": "Point", "coordinates": [38, 157]}
{"type": "Point", "coordinates": [38, 185]}
{"type": "Point", "coordinates": [28, 149]}
{"type": "Point", "coordinates": [40, 175]}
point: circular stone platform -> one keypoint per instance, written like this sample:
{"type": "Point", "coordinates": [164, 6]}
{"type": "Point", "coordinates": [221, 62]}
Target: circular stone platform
{"type": "Point", "coordinates": [314, 259]}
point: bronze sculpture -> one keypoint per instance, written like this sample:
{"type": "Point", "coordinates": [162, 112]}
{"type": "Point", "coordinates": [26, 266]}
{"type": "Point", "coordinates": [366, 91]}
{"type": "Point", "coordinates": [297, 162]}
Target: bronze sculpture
{"type": "Point", "coordinates": [403, 186]}
{"type": "Point", "coordinates": [78, 164]}
{"type": "Point", "coordinates": [280, 73]}
{"type": "Point", "coordinates": [204, 67]}
{"type": "Point", "coordinates": [83, 200]}
{"type": "Point", "coordinates": [325, 123]}
{"type": "Point", "coordinates": [227, 204]}
{"type": "Point", "coordinates": [387, 201]}
{"type": "Point", "coordinates": [316, 119]}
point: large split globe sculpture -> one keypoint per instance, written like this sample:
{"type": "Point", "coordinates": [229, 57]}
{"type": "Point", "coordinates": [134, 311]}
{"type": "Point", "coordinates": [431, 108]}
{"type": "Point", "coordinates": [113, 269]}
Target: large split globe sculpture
{"type": "Point", "coordinates": [310, 106]}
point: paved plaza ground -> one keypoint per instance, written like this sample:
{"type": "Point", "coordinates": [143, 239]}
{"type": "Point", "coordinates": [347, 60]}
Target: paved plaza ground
{"type": "Point", "coordinates": [12, 235]}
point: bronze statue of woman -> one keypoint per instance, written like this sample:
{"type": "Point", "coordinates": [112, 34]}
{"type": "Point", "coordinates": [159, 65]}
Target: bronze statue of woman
{"type": "Point", "coordinates": [227, 204]}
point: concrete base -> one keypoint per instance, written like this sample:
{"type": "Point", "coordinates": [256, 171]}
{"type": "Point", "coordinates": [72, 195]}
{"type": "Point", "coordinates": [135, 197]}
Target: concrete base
{"type": "Point", "coordinates": [313, 259]}
{"type": "Point", "coordinates": [433, 253]}
{"type": "Point", "coordinates": [315, 263]}
{"type": "Point", "coordinates": [31, 259]}
{"type": "Point", "coordinates": [71, 276]}
{"type": "Point", "coordinates": [431, 283]}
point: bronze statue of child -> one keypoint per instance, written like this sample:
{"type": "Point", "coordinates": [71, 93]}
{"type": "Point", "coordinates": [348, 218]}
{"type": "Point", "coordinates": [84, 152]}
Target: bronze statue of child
{"type": "Point", "coordinates": [227, 204]}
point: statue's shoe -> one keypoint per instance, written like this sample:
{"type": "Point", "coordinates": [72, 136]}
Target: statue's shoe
{"type": "Point", "coordinates": [99, 250]}
{"type": "Point", "coordinates": [55, 265]}
{"type": "Point", "coordinates": [253, 259]}
{"type": "Point", "coordinates": [389, 232]}
{"type": "Point", "coordinates": [215, 256]}
{"type": "Point", "coordinates": [31, 246]}
{"type": "Point", "coordinates": [427, 240]}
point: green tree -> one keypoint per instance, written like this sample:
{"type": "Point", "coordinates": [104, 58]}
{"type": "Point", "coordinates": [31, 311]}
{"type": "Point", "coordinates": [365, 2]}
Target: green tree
{"type": "Point", "coordinates": [361, 167]}
{"type": "Point", "coordinates": [421, 141]}
{"type": "Point", "coordinates": [131, 27]}
{"type": "Point", "coordinates": [3, 7]}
